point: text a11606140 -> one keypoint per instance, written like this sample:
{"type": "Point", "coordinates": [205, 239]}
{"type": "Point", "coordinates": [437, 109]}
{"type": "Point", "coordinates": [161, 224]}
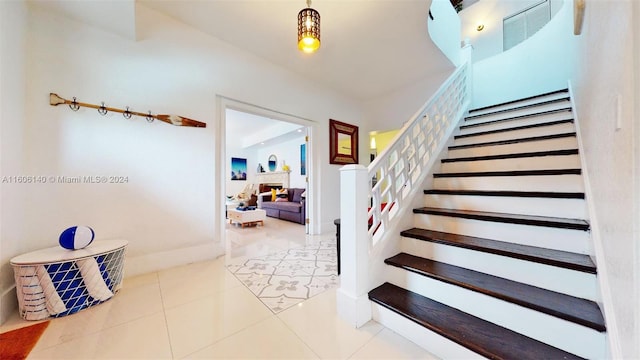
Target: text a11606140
{"type": "Point", "coordinates": [60, 179]}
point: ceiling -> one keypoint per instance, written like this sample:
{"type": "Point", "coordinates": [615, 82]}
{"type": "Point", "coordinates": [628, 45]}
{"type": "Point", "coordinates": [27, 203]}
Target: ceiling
{"type": "Point", "coordinates": [255, 131]}
{"type": "Point", "coordinates": [369, 47]}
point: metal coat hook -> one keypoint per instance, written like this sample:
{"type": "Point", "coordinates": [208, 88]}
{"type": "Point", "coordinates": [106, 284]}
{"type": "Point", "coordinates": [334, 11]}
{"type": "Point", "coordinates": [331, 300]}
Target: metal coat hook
{"type": "Point", "coordinates": [74, 105]}
{"type": "Point", "coordinates": [127, 114]}
{"type": "Point", "coordinates": [55, 100]}
{"type": "Point", "coordinates": [102, 110]}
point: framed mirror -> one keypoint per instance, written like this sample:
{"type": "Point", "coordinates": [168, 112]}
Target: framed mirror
{"type": "Point", "coordinates": [273, 160]}
{"type": "Point", "coordinates": [343, 143]}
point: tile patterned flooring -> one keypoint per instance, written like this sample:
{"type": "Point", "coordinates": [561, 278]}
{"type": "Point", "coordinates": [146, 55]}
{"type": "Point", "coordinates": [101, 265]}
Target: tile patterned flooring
{"type": "Point", "coordinates": [204, 311]}
{"type": "Point", "coordinates": [285, 278]}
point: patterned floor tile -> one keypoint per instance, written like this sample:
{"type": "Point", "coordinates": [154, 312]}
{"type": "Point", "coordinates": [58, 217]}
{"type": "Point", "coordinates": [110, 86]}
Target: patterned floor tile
{"type": "Point", "coordinates": [254, 282]}
{"type": "Point", "coordinates": [258, 266]}
{"type": "Point", "coordinates": [296, 268]}
{"type": "Point", "coordinates": [325, 268]}
{"type": "Point", "coordinates": [285, 278]}
{"type": "Point", "coordinates": [280, 303]}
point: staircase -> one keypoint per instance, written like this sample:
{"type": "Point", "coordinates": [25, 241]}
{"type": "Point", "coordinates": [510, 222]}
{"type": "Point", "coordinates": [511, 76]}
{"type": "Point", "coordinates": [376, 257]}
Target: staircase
{"type": "Point", "coordinates": [496, 265]}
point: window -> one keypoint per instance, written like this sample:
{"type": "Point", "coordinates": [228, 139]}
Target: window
{"type": "Point", "coordinates": [522, 25]}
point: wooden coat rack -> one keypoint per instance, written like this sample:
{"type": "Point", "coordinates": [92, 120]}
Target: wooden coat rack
{"type": "Point", "coordinates": [176, 120]}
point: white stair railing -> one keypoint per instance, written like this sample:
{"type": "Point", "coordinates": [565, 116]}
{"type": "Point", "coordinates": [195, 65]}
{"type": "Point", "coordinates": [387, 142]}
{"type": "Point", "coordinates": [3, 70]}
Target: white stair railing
{"type": "Point", "coordinates": [404, 164]}
{"type": "Point", "coordinates": [393, 178]}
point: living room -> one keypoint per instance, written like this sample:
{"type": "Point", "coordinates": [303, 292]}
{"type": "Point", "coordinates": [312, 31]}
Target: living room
{"type": "Point", "coordinates": [262, 154]}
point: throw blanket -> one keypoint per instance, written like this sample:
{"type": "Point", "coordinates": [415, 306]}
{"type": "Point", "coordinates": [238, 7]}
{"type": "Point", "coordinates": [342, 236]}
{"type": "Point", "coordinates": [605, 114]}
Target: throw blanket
{"type": "Point", "coordinates": [80, 284]}
{"type": "Point", "coordinates": [93, 280]}
{"type": "Point", "coordinates": [39, 297]}
{"type": "Point", "coordinates": [54, 303]}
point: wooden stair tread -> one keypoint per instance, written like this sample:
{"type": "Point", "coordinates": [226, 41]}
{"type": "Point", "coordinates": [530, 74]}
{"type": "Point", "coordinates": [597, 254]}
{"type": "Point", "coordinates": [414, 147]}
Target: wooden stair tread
{"type": "Point", "coordinates": [549, 102]}
{"type": "Point", "coordinates": [480, 336]}
{"type": "Point", "coordinates": [570, 308]}
{"type": "Point", "coordinates": [566, 152]}
{"type": "Point", "coordinates": [515, 128]}
{"type": "Point", "coordinates": [574, 224]}
{"type": "Point", "coordinates": [518, 100]}
{"type": "Point", "coordinates": [549, 112]}
{"type": "Point", "coordinates": [563, 259]}
{"type": "Point", "coordinates": [526, 194]}
{"type": "Point", "coordinates": [514, 141]}
{"type": "Point", "coordinates": [511, 173]}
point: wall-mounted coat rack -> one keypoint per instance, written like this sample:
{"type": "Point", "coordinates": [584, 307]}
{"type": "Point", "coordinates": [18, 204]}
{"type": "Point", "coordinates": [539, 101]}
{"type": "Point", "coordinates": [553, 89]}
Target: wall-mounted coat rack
{"type": "Point", "coordinates": [176, 120]}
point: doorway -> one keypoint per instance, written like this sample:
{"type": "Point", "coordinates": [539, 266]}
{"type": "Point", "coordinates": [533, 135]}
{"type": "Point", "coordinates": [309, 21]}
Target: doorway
{"type": "Point", "coordinates": [261, 139]}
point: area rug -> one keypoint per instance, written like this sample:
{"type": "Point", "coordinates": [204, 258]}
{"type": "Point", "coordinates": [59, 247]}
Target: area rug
{"type": "Point", "coordinates": [283, 279]}
{"type": "Point", "coordinates": [17, 344]}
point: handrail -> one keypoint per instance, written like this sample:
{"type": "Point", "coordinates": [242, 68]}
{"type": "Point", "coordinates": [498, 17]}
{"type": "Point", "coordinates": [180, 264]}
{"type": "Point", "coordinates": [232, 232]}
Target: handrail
{"type": "Point", "coordinates": [404, 164]}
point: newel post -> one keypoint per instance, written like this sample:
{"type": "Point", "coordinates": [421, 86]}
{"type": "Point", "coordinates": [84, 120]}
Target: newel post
{"type": "Point", "coordinates": [352, 301]}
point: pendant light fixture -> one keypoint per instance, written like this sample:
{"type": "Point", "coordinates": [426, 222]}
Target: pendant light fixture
{"type": "Point", "coordinates": [308, 29]}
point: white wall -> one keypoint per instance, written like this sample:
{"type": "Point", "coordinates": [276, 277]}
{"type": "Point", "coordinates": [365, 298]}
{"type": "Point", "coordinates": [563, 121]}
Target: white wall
{"type": "Point", "coordinates": [600, 65]}
{"type": "Point", "coordinates": [391, 111]}
{"type": "Point", "coordinates": [235, 149]}
{"type": "Point", "coordinates": [636, 177]}
{"type": "Point", "coordinates": [167, 208]}
{"type": "Point", "coordinates": [541, 63]}
{"type": "Point", "coordinates": [289, 152]}
{"type": "Point", "coordinates": [490, 13]}
{"type": "Point", "coordinates": [13, 20]}
{"type": "Point", "coordinates": [444, 29]}
{"type": "Point", "coordinates": [604, 75]}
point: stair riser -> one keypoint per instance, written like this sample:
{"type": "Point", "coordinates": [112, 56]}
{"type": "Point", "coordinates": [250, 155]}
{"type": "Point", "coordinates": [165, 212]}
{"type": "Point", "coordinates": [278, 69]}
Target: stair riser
{"type": "Point", "coordinates": [551, 330]}
{"type": "Point", "coordinates": [536, 100]}
{"type": "Point", "coordinates": [531, 120]}
{"type": "Point", "coordinates": [559, 183]}
{"type": "Point", "coordinates": [559, 239]}
{"type": "Point", "coordinates": [570, 282]}
{"type": "Point", "coordinates": [562, 208]}
{"type": "Point", "coordinates": [429, 340]}
{"type": "Point", "coordinates": [529, 163]}
{"type": "Point", "coordinates": [514, 113]}
{"type": "Point", "coordinates": [524, 147]}
{"type": "Point", "coordinates": [518, 134]}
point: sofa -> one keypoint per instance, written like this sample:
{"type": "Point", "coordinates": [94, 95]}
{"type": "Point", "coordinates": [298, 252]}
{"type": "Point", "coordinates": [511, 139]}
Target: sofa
{"type": "Point", "coordinates": [292, 210]}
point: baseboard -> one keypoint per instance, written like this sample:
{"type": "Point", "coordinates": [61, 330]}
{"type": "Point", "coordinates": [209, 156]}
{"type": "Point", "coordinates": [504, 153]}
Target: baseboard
{"type": "Point", "coordinates": [613, 338]}
{"type": "Point", "coordinates": [354, 310]}
{"type": "Point", "coordinates": [134, 265]}
{"type": "Point", "coordinates": [8, 304]}
{"type": "Point", "coordinates": [327, 227]}
{"type": "Point", "coordinates": [142, 264]}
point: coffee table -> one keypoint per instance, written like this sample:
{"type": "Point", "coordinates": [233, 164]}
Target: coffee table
{"type": "Point", "coordinates": [248, 217]}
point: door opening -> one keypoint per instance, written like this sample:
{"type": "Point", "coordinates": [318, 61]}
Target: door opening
{"type": "Point", "coordinates": [258, 147]}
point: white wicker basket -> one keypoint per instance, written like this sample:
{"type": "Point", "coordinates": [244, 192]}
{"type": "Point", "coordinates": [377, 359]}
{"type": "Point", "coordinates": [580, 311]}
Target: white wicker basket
{"type": "Point", "coordinates": [58, 282]}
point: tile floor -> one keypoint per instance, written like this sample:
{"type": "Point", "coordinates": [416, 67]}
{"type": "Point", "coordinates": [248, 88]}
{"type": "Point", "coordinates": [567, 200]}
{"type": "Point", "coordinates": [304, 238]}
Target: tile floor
{"type": "Point", "coordinates": [288, 277]}
{"type": "Point", "coordinates": [203, 311]}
